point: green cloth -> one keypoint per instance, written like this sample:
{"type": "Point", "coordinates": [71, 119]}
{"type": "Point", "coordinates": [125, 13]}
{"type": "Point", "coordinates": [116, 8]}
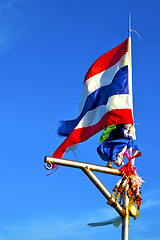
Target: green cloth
{"type": "Point", "coordinates": [106, 132]}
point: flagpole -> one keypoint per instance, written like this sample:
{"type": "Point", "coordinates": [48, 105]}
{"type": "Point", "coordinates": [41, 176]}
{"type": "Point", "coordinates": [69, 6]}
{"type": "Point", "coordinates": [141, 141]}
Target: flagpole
{"type": "Point", "coordinates": [129, 24]}
{"type": "Point", "coordinates": [125, 219]}
{"type": "Point", "coordinates": [130, 64]}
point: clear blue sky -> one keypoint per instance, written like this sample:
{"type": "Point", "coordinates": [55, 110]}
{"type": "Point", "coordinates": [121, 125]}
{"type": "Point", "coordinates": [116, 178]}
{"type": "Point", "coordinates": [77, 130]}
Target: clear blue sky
{"type": "Point", "coordinates": [46, 48]}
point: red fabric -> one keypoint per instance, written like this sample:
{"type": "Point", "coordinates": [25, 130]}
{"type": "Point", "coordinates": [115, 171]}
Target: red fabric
{"type": "Point", "coordinates": [128, 169]}
{"type": "Point", "coordinates": [54, 168]}
{"type": "Point", "coordinates": [118, 116]}
{"type": "Point", "coordinates": [107, 60]}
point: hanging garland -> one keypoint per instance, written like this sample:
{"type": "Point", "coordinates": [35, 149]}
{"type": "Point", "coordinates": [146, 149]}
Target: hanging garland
{"type": "Point", "coordinates": [129, 172]}
{"type": "Point", "coordinates": [130, 176]}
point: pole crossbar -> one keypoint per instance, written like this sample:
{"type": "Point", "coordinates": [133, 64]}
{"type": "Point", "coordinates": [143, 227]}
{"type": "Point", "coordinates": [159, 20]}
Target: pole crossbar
{"type": "Point", "coordinates": [75, 164]}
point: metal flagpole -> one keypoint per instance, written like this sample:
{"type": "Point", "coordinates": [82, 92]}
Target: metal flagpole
{"type": "Point", "coordinates": [129, 24]}
{"type": "Point", "coordinates": [125, 219]}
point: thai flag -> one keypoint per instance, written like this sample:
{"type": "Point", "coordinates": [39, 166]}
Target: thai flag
{"type": "Point", "coordinates": [107, 98]}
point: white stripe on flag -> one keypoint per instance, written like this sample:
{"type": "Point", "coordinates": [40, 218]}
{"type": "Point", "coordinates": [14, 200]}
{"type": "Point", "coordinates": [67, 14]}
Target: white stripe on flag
{"type": "Point", "coordinates": [122, 101]}
{"type": "Point", "coordinates": [102, 79]}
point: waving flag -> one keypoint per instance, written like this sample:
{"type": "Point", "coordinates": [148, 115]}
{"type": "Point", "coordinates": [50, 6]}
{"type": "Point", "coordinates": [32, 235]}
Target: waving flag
{"type": "Point", "coordinates": [107, 98]}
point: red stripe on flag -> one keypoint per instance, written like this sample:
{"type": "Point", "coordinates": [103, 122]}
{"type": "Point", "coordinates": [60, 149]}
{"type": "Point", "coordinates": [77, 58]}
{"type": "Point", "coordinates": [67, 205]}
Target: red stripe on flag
{"type": "Point", "coordinates": [107, 60]}
{"type": "Point", "coordinates": [118, 116]}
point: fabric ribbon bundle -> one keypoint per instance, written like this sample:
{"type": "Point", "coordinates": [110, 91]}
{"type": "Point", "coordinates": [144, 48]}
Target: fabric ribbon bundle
{"type": "Point", "coordinates": [115, 140]}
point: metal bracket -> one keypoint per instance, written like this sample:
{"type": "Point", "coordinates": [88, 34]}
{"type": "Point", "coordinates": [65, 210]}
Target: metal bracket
{"type": "Point", "coordinates": [88, 169]}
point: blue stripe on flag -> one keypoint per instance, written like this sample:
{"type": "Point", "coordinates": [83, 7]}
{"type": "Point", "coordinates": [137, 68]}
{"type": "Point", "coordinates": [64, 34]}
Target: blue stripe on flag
{"type": "Point", "coordinates": [119, 85]}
